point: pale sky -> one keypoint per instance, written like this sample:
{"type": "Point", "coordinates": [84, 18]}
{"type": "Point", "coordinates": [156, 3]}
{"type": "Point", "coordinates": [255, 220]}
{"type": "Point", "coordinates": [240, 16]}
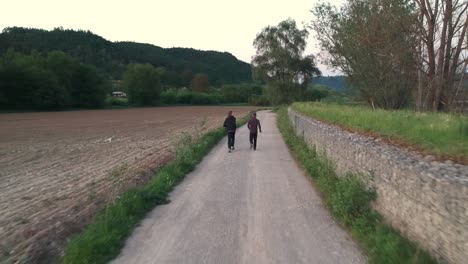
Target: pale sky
{"type": "Point", "coordinates": [203, 24]}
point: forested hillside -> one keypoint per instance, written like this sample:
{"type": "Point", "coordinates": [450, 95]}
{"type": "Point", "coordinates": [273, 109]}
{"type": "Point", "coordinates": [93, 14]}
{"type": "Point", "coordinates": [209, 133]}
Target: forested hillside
{"type": "Point", "coordinates": [336, 83]}
{"type": "Point", "coordinates": [177, 65]}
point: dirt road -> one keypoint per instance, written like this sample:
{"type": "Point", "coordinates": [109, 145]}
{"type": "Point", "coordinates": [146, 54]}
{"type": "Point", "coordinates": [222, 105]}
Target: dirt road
{"type": "Point", "coordinates": [243, 207]}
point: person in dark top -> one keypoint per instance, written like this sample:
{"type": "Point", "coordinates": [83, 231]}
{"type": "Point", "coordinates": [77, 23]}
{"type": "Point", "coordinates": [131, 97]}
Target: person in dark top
{"type": "Point", "coordinates": [254, 126]}
{"type": "Point", "coordinates": [230, 126]}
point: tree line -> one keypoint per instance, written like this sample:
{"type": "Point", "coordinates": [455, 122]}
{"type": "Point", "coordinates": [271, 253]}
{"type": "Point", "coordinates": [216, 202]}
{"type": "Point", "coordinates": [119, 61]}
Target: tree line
{"type": "Point", "coordinates": [43, 79]}
{"type": "Point", "coordinates": [397, 53]}
{"type": "Point", "coordinates": [62, 69]}
{"type": "Point", "coordinates": [58, 81]}
{"type": "Point", "coordinates": [142, 82]}
{"type": "Point", "coordinates": [51, 81]}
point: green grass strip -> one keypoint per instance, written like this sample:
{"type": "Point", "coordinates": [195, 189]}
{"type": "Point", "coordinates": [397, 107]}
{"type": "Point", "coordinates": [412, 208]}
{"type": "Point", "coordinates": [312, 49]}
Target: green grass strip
{"type": "Point", "coordinates": [103, 239]}
{"type": "Point", "coordinates": [439, 133]}
{"type": "Point", "coordinates": [349, 201]}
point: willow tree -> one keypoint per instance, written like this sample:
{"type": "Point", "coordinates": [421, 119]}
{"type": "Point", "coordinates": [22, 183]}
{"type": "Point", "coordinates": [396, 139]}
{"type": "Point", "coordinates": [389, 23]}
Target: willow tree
{"type": "Point", "coordinates": [280, 61]}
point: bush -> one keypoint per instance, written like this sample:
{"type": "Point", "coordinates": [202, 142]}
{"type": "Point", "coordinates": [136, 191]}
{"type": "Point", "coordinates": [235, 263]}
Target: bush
{"type": "Point", "coordinates": [206, 99]}
{"type": "Point", "coordinates": [184, 97]}
{"type": "Point", "coordinates": [169, 96]}
{"type": "Point", "coordinates": [239, 93]}
{"type": "Point", "coordinates": [116, 101]}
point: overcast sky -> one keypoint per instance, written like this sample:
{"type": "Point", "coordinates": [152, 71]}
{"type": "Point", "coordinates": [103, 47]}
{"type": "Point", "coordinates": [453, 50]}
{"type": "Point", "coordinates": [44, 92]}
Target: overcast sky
{"type": "Point", "coordinates": [203, 24]}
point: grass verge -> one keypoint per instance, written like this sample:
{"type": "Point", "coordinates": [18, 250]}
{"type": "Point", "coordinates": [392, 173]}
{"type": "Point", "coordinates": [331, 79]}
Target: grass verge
{"type": "Point", "coordinates": [103, 239]}
{"type": "Point", "coordinates": [441, 134]}
{"type": "Point", "coordinates": [349, 201]}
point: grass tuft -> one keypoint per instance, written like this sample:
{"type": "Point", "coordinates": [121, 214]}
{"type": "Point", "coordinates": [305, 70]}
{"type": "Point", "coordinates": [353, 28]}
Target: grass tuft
{"type": "Point", "coordinates": [103, 239]}
{"type": "Point", "coordinates": [349, 201]}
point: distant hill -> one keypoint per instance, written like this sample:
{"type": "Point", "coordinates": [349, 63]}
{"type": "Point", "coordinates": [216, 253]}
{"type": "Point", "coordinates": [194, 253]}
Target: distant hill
{"type": "Point", "coordinates": [111, 58]}
{"type": "Point", "coordinates": [333, 82]}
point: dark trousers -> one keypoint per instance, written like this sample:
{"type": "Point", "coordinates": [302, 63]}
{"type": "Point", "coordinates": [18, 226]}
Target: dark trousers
{"type": "Point", "coordinates": [231, 139]}
{"type": "Point", "coordinates": [253, 140]}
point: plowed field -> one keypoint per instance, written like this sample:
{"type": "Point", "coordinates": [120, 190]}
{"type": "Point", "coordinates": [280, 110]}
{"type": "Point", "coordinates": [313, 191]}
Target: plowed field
{"type": "Point", "coordinates": [57, 169]}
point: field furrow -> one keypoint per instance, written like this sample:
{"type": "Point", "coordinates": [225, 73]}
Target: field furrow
{"type": "Point", "coordinates": [57, 169]}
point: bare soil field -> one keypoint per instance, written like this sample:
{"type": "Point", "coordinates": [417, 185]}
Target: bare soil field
{"type": "Point", "coordinates": [57, 169]}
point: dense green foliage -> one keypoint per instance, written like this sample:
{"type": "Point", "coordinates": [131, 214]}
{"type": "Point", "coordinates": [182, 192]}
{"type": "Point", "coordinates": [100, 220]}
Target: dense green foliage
{"type": "Point", "coordinates": [143, 84]}
{"type": "Point", "coordinates": [187, 97]}
{"type": "Point", "coordinates": [279, 62]}
{"type": "Point", "coordinates": [439, 133]}
{"type": "Point", "coordinates": [316, 93]}
{"type": "Point", "coordinates": [116, 102]}
{"type": "Point", "coordinates": [103, 239]}
{"type": "Point", "coordinates": [349, 201]}
{"type": "Point", "coordinates": [52, 70]}
{"type": "Point", "coordinates": [111, 58]}
{"type": "Point", "coordinates": [54, 81]}
{"type": "Point", "coordinates": [372, 42]}
{"type": "Point", "coordinates": [240, 93]}
{"type": "Point", "coordinates": [258, 100]}
{"type": "Point", "coordinates": [227, 94]}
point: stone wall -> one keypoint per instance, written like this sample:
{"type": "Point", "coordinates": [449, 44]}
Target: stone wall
{"type": "Point", "coordinates": [425, 200]}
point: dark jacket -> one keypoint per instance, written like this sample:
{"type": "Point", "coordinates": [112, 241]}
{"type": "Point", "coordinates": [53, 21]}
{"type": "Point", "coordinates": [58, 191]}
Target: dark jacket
{"type": "Point", "coordinates": [254, 125]}
{"type": "Point", "coordinates": [230, 124]}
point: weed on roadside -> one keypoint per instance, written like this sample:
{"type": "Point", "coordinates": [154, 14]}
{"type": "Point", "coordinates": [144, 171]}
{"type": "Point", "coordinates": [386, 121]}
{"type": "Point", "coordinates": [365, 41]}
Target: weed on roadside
{"type": "Point", "coordinates": [119, 171]}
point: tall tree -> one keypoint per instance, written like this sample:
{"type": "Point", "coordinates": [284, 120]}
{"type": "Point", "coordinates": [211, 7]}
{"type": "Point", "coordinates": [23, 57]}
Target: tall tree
{"type": "Point", "coordinates": [372, 41]}
{"type": "Point", "coordinates": [89, 89]}
{"type": "Point", "coordinates": [200, 83]}
{"type": "Point", "coordinates": [443, 28]}
{"type": "Point", "coordinates": [143, 84]}
{"type": "Point", "coordinates": [279, 61]}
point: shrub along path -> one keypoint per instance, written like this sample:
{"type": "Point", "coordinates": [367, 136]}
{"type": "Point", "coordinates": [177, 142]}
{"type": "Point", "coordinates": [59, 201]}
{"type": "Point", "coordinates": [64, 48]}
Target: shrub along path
{"type": "Point", "coordinates": [243, 207]}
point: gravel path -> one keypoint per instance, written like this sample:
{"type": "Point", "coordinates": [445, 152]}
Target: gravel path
{"type": "Point", "coordinates": [243, 207]}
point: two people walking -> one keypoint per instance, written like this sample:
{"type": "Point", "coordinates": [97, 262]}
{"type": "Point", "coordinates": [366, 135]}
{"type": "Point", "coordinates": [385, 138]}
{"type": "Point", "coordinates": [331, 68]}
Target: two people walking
{"type": "Point", "coordinates": [231, 126]}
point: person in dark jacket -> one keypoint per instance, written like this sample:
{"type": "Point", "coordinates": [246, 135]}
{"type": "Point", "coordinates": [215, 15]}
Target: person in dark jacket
{"type": "Point", "coordinates": [230, 126]}
{"type": "Point", "coordinates": [254, 126]}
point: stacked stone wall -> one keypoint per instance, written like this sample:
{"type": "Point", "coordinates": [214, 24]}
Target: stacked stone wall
{"type": "Point", "coordinates": [426, 200]}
